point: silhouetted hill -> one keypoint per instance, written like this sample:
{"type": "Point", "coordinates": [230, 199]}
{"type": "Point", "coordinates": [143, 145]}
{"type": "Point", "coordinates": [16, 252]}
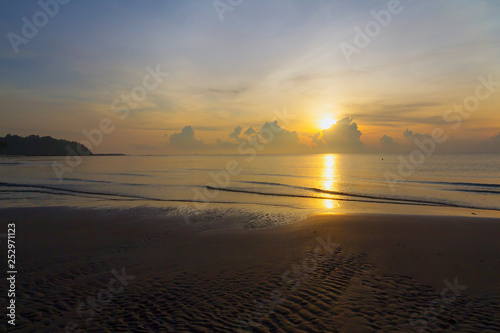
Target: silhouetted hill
{"type": "Point", "coordinates": [35, 145]}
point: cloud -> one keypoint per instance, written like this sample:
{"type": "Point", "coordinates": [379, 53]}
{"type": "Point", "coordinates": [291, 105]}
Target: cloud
{"type": "Point", "coordinates": [236, 133]}
{"type": "Point", "coordinates": [270, 138]}
{"type": "Point", "coordinates": [228, 92]}
{"type": "Point", "coordinates": [390, 114]}
{"type": "Point", "coordinates": [250, 131]}
{"type": "Point", "coordinates": [344, 136]}
{"type": "Point", "coordinates": [389, 145]}
{"type": "Point", "coordinates": [316, 138]}
{"type": "Point", "coordinates": [451, 145]}
{"type": "Point", "coordinates": [493, 144]}
{"type": "Point", "coordinates": [412, 136]}
{"type": "Point", "coordinates": [387, 141]}
{"type": "Point", "coordinates": [277, 137]}
{"type": "Point", "coordinates": [186, 140]}
{"type": "Point", "coordinates": [226, 145]}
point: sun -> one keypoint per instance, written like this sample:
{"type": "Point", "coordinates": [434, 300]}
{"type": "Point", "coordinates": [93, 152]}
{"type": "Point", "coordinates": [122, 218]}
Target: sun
{"type": "Point", "coordinates": [327, 123]}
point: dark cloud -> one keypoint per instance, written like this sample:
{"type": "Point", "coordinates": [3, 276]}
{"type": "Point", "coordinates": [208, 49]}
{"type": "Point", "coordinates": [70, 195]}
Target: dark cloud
{"type": "Point", "coordinates": [229, 92]}
{"type": "Point", "coordinates": [412, 136]}
{"type": "Point", "coordinates": [493, 144]}
{"type": "Point", "coordinates": [250, 131]}
{"type": "Point", "coordinates": [186, 140]}
{"type": "Point", "coordinates": [388, 145]}
{"type": "Point", "coordinates": [226, 145]}
{"type": "Point", "coordinates": [387, 141]}
{"type": "Point", "coordinates": [236, 133]}
{"type": "Point", "coordinates": [223, 92]}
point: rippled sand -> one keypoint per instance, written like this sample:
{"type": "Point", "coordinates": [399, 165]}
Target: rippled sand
{"type": "Point", "coordinates": [357, 273]}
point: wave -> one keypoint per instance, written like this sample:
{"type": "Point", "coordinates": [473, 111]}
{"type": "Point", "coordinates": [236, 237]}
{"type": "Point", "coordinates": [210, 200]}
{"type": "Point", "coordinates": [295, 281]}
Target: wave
{"type": "Point", "coordinates": [329, 195]}
{"type": "Point", "coordinates": [10, 163]}
{"type": "Point", "coordinates": [347, 194]}
{"type": "Point", "coordinates": [451, 183]}
{"type": "Point", "coordinates": [128, 174]}
{"type": "Point", "coordinates": [113, 196]}
{"type": "Point", "coordinates": [380, 199]}
{"type": "Point", "coordinates": [57, 193]}
{"type": "Point", "coordinates": [478, 191]}
{"type": "Point", "coordinates": [399, 202]}
{"type": "Point", "coordinates": [119, 183]}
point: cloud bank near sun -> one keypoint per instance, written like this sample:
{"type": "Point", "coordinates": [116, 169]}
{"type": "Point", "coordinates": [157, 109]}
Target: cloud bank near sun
{"type": "Point", "coordinates": [342, 137]}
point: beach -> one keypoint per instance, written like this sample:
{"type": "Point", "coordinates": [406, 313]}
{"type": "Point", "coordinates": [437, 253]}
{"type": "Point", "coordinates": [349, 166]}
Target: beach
{"type": "Point", "coordinates": [99, 270]}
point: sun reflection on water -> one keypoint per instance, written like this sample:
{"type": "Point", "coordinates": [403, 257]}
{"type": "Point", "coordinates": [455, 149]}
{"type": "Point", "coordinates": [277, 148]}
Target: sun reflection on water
{"type": "Point", "coordinates": [329, 179]}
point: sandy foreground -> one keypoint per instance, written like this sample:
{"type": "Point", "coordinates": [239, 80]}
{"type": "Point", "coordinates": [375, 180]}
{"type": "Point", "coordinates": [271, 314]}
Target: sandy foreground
{"type": "Point", "coordinates": [82, 270]}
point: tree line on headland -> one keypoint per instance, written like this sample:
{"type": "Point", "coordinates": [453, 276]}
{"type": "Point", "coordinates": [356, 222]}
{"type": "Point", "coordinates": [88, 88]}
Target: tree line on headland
{"type": "Point", "coordinates": [35, 145]}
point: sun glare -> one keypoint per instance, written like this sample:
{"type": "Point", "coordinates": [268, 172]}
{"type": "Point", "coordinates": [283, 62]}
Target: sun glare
{"type": "Point", "coordinates": [327, 123]}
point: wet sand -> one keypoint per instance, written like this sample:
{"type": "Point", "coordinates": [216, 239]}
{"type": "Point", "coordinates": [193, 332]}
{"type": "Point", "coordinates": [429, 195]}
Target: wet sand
{"type": "Point", "coordinates": [104, 271]}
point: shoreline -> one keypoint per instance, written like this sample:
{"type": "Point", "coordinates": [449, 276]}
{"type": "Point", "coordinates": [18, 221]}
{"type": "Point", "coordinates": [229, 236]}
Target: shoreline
{"type": "Point", "coordinates": [205, 279]}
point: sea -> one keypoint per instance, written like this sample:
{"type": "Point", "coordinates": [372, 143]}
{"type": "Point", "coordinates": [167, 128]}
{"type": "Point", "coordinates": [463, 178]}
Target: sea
{"type": "Point", "coordinates": [266, 189]}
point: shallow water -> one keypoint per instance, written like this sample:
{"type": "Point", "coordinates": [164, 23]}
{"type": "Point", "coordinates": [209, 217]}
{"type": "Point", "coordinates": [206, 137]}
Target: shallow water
{"type": "Point", "coordinates": [291, 185]}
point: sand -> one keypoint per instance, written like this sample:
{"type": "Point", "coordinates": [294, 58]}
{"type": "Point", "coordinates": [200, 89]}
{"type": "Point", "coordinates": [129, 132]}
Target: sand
{"type": "Point", "coordinates": [133, 271]}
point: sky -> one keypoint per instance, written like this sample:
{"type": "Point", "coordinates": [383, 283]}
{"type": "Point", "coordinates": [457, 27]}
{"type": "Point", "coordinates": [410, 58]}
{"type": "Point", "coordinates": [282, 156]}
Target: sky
{"type": "Point", "coordinates": [203, 76]}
